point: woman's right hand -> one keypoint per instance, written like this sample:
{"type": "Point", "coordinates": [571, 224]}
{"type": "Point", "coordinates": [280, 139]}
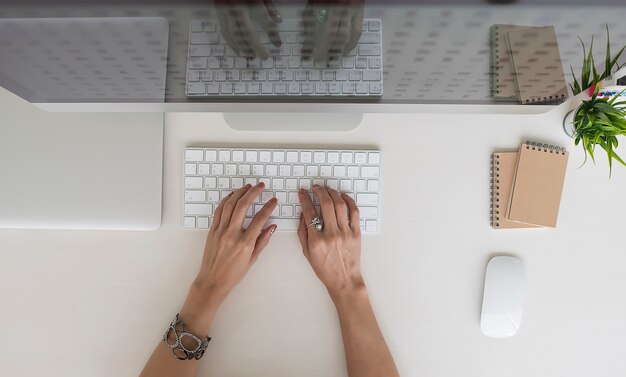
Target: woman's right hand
{"type": "Point", "coordinates": [335, 252]}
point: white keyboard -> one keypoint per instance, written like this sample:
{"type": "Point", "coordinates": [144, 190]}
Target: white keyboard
{"type": "Point", "coordinates": [212, 173]}
{"type": "Point", "coordinates": [214, 69]}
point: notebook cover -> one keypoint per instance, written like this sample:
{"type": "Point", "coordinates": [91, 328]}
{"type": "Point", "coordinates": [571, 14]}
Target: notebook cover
{"type": "Point", "coordinates": [503, 166]}
{"type": "Point", "coordinates": [537, 65]}
{"type": "Point", "coordinates": [503, 82]}
{"type": "Point", "coordinates": [538, 185]}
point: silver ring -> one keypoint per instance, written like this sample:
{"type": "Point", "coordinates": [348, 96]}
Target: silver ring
{"type": "Point", "coordinates": [321, 15]}
{"type": "Point", "coordinates": [318, 224]}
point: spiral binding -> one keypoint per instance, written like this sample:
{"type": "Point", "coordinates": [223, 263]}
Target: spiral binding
{"type": "Point", "coordinates": [494, 214]}
{"type": "Point", "coordinates": [545, 147]}
{"type": "Point", "coordinates": [551, 100]}
{"type": "Point", "coordinates": [495, 52]}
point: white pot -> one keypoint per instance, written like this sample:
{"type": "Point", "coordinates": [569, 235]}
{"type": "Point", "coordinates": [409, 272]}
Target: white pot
{"type": "Point", "coordinates": [568, 123]}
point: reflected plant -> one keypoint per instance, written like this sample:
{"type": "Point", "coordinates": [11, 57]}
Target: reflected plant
{"type": "Point", "coordinates": [589, 75]}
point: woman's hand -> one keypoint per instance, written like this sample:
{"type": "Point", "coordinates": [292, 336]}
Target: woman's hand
{"type": "Point", "coordinates": [230, 249]}
{"type": "Point", "coordinates": [331, 28]}
{"type": "Point", "coordinates": [334, 252]}
{"type": "Point", "coordinates": [235, 18]}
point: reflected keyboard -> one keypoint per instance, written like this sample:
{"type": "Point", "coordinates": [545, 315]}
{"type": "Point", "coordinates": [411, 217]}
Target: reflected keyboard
{"type": "Point", "coordinates": [210, 174]}
{"type": "Point", "coordinates": [214, 69]}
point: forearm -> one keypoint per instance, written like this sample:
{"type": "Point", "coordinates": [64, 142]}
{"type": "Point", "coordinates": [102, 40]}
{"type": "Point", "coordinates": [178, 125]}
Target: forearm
{"type": "Point", "coordinates": [366, 351]}
{"type": "Point", "coordinates": [197, 313]}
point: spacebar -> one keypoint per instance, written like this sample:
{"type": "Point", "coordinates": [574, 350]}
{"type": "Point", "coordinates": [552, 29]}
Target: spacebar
{"type": "Point", "coordinates": [283, 224]}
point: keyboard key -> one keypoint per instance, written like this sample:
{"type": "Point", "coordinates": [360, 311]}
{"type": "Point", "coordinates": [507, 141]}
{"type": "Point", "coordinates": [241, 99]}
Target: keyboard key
{"type": "Point", "coordinates": [326, 171]}
{"type": "Point", "coordinates": [213, 88]}
{"type": "Point", "coordinates": [293, 197]}
{"type": "Point", "coordinates": [210, 182]}
{"type": "Point", "coordinates": [376, 88]}
{"type": "Point", "coordinates": [306, 88]}
{"type": "Point", "coordinates": [193, 182]}
{"type": "Point", "coordinates": [193, 76]}
{"type": "Point", "coordinates": [286, 211]}
{"type": "Point", "coordinates": [271, 170]}
{"type": "Point", "coordinates": [285, 170]}
{"type": "Point", "coordinates": [203, 223]}
{"type": "Point", "coordinates": [298, 170]}
{"type": "Point", "coordinates": [353, 171]}
{"type": "Point", "coordinates": [236, 183]}
{"type": "Point", "coordinates": [198, 209]}
{"type": "Point", "coordinates": [312, 171]}
{"type": "Point", "coordinates": [373, 158]}
{"type": "Point", "coordinates": [360, 158]}
{"type": "Point", "coordinates": [223, 183]}
{"type": "Point", "coordinates": [345, 185]}
{"type": "Point", "coordinates": [306, 157]}
{"type": "Point", "coordinates": [190, 169]}
{"type": "Point", "coordinates": [371, 226]}
{"type": "Point", "coordinates": [375, 63]}
{"type": "Point", "coordinates": [339, 171]}
{"type": "Point", "coordinates": [362, 88]}
{"type": "Point", "coordinates": [321, 88]}
{"type": "Point", "coordinates": [370, 172]}
{"type": "Point", "coordinates": [371, 75]}
{"type": "Point", "coordinates": [217, 169]}
{"type": "Point", "coordinates": [305, 183]}
{"type": "Point", "coordinates": [203, 169]}
{"type": "Point", "coordinates": [265, 156]}
{"type": "Point", "coordinates": [213, 196]}
{"type": "Point", "coordinates": [334, 88]}
{"type": "Point", "coordinates": [333, 184]}
{"type": "Point", "coordinates": [368, 212]}
{"type": "Point", "coordinates": [278, 156]}
{"type": "Point", "coordinates": [278, 184]}
{"type": "Point", "coordinates": [291, 184]}
{"type": "Point", "coordinates": [224, 156]}
{"type": "Point", "coordinates": [281, 196]}
{"type": "Point", "coordinates": [292, 156]}
{"type": "Point", "coordinates": [319, 157]}
{"type": "Point", "coordinates": [244, 170]}
{"type": "Point", "coordinates": [189, 222]}
{"type": "Point", "coordinates": [361, 62]}
{"type": "Point", "coordinates": [195, 196]}
{"type": "Point", "coordinates": [197, 63]}
{"type": "Point", "coordinates": [373, 25]}
{"type": "Point", "coordinates": [196, 88]}
{"type": "Point", "coordinates": [231, 169]}
{"type": "Point", "coordinates": [251, 156]}
{"type": "Point", "coordinates": [266, 196]}
{"type": "Point", "coordinates": [369, 38]}
{"type": "Point", "coordinates": [237, 156]}
{"type": "Point", "coordinates": [359, 185]}
{"type": "Point", "coordinates": [366, 199]}
{"type": "Point", "coordinates": [369, 50]}
{"type": "Point", "coordinates": [372, 185]}
{"type": "Point", "coordinates": [258, 170]}
{"type": "Point", "coordinates": [333, 157]}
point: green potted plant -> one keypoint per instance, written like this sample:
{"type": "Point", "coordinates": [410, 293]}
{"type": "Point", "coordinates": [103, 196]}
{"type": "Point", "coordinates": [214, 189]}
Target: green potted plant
{"type": "Point", "coordinates": [597, 121]}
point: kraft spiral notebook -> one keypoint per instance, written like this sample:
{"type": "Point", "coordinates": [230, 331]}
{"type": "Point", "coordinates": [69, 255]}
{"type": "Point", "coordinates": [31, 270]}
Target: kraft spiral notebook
{"type": "Point", "coordinates": [537, 65]}
{"type": "Point", "coordinates": [503, 82]}
{"type": "Point", "coordinates": [527, 186]}
{"type": "Point", "coordinates": [503, 166]}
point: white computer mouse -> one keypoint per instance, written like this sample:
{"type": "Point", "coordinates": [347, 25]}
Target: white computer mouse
{"type": "Point", "coordinates": [503, 298]}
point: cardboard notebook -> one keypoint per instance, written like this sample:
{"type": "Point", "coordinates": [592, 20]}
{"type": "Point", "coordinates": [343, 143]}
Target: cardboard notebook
{"type": "Point", "coordinates": [527, 185]}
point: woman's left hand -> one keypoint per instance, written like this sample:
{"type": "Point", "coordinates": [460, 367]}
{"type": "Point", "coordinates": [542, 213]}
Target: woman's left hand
{"type": "Point", "coordinates": [230, 249]}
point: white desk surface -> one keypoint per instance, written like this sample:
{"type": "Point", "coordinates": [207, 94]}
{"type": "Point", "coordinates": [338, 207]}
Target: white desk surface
{"type": "Point", "coordinates": [95, 303]}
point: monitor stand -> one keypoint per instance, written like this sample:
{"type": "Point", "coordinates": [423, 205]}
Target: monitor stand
{"type": "Point", "coordinates": [309, 122]}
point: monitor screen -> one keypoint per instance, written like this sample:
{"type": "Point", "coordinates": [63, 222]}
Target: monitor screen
{"type": "Point", "coordinates": [372, 52]}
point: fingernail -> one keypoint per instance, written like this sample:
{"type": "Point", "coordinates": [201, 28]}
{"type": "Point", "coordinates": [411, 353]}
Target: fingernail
{"type": "Point", "coordinates": [273, 230]}
{"type": "Point", "coordinates": [301, 191]}
{"type": "Point", "coordinates": [274, 200]}
{"type": "Point", "coordinates": [317, 186]}
{"type": "Point", "coordinates": [261, 184]}
{"type": "Point", "coordinates": [248, 185]}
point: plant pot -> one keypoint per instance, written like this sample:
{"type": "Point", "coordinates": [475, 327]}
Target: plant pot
{"type": "Point", "coordinates": [571, 106]}
{"type": "Point", "coordinates": [568, 123]}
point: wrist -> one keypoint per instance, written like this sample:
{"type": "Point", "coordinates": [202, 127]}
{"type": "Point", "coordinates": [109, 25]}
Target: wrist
{"type": "Point", "coordinates": [199, 309]}
{"type": "Point", "coordinates": [349, 294]}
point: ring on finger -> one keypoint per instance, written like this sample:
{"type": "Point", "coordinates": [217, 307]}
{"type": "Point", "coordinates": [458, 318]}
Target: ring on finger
{"type": "Point", "coordinates": [318, 224]}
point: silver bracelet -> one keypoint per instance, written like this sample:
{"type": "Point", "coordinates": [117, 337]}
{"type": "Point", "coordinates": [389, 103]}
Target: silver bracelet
{"type": "Point", "coordinates": [179, 330]}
